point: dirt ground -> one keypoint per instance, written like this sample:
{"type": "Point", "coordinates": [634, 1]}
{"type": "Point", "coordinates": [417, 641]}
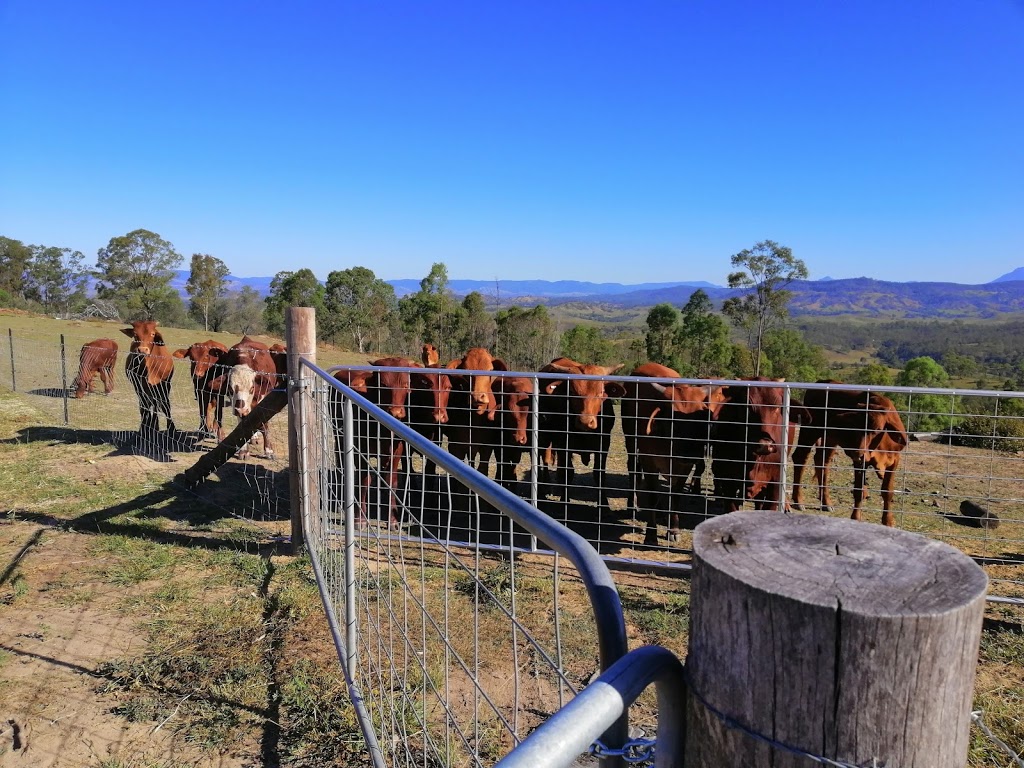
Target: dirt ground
{"type": "Point", "coordinates": [53, 641]}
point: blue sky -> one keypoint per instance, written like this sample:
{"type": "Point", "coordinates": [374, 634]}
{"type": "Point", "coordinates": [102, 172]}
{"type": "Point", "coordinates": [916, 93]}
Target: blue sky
{"type": "Point", "coordinates": [620, 142]}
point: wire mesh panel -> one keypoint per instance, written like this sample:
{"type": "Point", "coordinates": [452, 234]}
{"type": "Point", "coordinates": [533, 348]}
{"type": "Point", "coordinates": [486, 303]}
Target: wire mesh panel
{"type": "Point", "coordinates": [458, 639]}
{"type": "Point", "coordinates": [84, 391]}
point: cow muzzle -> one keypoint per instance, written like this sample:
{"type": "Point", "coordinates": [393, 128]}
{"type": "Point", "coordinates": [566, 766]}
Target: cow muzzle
{"type": "Point", "coordinates": [587, 422]}
{"type": "Point", "coordinates": [764, 447]}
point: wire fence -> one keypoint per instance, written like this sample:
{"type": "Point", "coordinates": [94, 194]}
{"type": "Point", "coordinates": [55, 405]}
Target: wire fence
{"type": "Point", "coordinates": [663, 454]}
{"type": "Point", "coordinates": [473, 630]}
{"type": "Point", "coordinates": [456, 646]}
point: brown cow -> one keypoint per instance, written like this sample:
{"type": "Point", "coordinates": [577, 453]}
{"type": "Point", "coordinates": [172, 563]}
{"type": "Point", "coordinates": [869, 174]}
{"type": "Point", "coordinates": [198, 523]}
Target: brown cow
{"type": "Point", "coordinates": [253, 370]}
{"type": "Point", "coordinates": [515, 395]}
{"type": "Point", "coordinates": [747, 444]}
{"type": "Point", "coordinates": [577, 417]}
{"type": "Point", "coordinates": [99, 356]}
{"type": "Point", "coordinates": [150, 368]}
{"type": "Point", "coordinates": [666, 429]}
{"type": "Point", "coordinates": [429, 355]}
{"type": "Point", "coordinates": [388, 390]}
{"type": "Point", "coordinates": [205, 356]}
{"type": "Point", "coordinates": [428, 405]}
{"type": "Point", "coordinates": [473, 407]}
{"type": "Point", "coordinates": [870, 431]}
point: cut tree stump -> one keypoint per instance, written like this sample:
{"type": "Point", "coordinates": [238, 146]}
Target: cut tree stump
{"type": "Point", "coordinates": [842, 639]}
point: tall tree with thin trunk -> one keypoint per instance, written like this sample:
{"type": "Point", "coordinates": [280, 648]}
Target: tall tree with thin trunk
{"type": "Point", "coordinates": [14, 261]}
{"type": "Point", "coordinates": [765, 271]}
{"type": "Point", "coordinates": [135, 272]}
{"type": "Point", "coordinates": [206, 284]}
{"type": "Point", "coordinates": [58, 277]}
{"type": "Point", "coordinates": [358, 305]}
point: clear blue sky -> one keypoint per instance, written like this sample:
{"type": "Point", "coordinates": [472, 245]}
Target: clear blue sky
{"type": "Point", "coordinates": [605, 141]}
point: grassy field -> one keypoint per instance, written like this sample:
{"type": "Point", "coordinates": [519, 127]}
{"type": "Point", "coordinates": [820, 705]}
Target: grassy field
{"type": "Point", "coordinates": [141, 626]}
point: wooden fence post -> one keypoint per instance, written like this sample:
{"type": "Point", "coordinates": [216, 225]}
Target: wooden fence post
{"type": "Point", "coordinates": [834, 638]}
{"type": "Point", "coordinates": [300, 337]}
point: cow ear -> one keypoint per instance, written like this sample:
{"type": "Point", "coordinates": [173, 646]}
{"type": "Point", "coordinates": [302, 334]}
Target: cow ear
{"type": "Point", "coordinates": [216, 352]}
{"type": "Point", "coordinates": [553, 384]}
{"type": "Point", "coordinates": [498, 364]}
{"type": "Point", "coordinates": [615, 388]}
{"type": "Point", "coordinates": [179, 353]}
{"type": "Point", "coordinates": [454, 364]}
{"type": "Point", "coordinates": [128, 332]}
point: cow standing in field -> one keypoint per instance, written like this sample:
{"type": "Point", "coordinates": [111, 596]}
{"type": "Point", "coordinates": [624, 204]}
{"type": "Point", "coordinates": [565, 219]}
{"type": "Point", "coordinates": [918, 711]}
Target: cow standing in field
{"type": "Point", "coordinates": [390, 391]}
{"type": "Point", "coordinates": [867, 427]}
{"type": "Point", "coordinates": [253, 371]}
{"type": "Point", "coordinates": [150, 368]}
{"type": "Point", "coordinates": [577, 417]}
{"type": "Point", "coordinates": [98, 356]}
{"type": "Point", "coordinates": [205, 357]}
{"type": "Point", "coordinates": [747, 444]}
{"type": "Point", "coordinates": [515, 397]}
{"type": "Point", "coordinates": [473, 425]}
{"type": "Point", "coordinates": [666, 429]}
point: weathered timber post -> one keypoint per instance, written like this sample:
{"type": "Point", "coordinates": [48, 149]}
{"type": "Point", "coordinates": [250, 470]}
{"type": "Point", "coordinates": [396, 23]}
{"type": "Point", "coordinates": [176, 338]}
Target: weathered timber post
{"type": "Point", "coordinates": [300, 338]}
{"type": "Point", "coordinates": [10, 341]}
{"type": "Point", "coordinates": [64, 377]}
{"type": "Point", "coordinates": [833, 638]}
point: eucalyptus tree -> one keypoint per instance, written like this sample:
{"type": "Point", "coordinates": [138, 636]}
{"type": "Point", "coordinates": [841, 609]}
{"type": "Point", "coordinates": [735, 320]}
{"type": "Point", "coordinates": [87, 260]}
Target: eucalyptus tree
{"type": "Point", "coordinates": [764, 272]}
{"type": "Point", "coordinates": [134, 271]}
{"type": "Point", "coordinates": [207, 283]}
{"type": "Point", "coordinates": [358, 306]}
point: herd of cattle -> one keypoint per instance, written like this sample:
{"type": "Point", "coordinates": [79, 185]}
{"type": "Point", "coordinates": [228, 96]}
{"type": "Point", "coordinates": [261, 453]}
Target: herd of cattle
{"type": "Point", "coordinates": [482, 412]}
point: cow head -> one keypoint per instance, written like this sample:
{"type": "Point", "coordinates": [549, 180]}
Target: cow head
{"type": "Point", "coordinates": [516, 393]}
{"type": "Point", "coordinates": [203, 354]}
{"type": "Point", "coordinates": [390, 389]}
{"type": "Point", "coordinates": [241, 389]}
{"type": "Point", "coordinates": [481, 395]}
{"type": "Point", "coordinates": [434, 388]}
{"type": "Point", "coordinates": [429, 355]}
{"type": "Point", "coordinates": [586, 396]}
{"type": "Point", "coordinates": [144, 335]}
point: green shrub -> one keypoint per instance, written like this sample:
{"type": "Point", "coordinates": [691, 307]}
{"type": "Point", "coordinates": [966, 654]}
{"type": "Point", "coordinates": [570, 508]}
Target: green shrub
{"type": "Point", "coordinates": [999, 434]}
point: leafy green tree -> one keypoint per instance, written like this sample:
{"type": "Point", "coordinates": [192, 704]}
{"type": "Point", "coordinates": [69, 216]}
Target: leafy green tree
{"type": "Point", "coordinates": [478, 325]}
{"type": "Point", "coordinates": [960, 366]}
{"type": "Point", "coordinates": [923, 372]}
{"type": "Point", "coordinates": [14, 261]}
{"type": "Point", "coordinates": [206, 284]}
{"type": "Point", "coordinates": [245, 311]}
{"type": "Point", "coordinates": [135, 272]}
{"type": "Point", "coordinates": [432, 314]}
{"type": "Point", "coordinates": [358, 305]}
{"type": "Point", "coordinates": [792, 358]}
{"type": "Point", "coordinates": [874, 374]}
{"type": "Point", "coordinates": [703, 337]}
{"type": "Point", "coordinates": [293, 289]}
{"type": "Point", "coordinates": [662, 325]}
{"type": "Point", "coordinates": [586, 344]}
{"type": "Point", "coordinates": [526, 338]}
{"type": "Point", "coordinates": [57, 277]}
{"type": "Point", "coordinates": [925, 412]}
{"type": "Point", "coordinates": [765, 271]}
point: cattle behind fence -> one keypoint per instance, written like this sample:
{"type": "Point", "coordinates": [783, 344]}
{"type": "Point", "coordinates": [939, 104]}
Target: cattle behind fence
{"type": "Point", "coordinates": [450, 588]}
{"type": "Point", "coordinates": [961, 482]}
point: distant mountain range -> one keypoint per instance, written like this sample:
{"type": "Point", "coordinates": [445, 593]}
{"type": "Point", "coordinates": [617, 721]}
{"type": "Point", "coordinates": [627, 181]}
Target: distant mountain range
{"type": "Point", "coordinates": [854, 296]}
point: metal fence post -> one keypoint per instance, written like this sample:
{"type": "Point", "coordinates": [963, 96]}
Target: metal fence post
{"type": "Point", "coordinates": [10, 341]}
{"type": "Point", "coordinates": [348, 460]}
{"type": "Point", "coordinates": [64, 377]}
{"type": "Point", "coordinates": [786, 396]}
{"type": "Point", "coordinates": [535, 451]}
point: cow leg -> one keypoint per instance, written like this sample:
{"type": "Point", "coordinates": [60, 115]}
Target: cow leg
{"type": "Point", "coordinates": [800, 457]}
{"type": "Point", "coordinates": [107, 379]}
{"type": "Point", "coordinates": [650, 497]}
{"type": "Point", "coordinates": [394, 462]}
{"type": "Point", "coordinates": [888, 480]}
{"type": "Point", "coordinates": [822, 470]}
{"type": "Point", "coordinates": [268, 447]}
{"type": "Point", "coordinates": [859, 492]}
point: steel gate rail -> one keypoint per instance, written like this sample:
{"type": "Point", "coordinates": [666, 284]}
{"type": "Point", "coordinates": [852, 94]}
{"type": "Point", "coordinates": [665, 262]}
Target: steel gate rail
{"type": "Point", "coordinates": [453, 652]}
